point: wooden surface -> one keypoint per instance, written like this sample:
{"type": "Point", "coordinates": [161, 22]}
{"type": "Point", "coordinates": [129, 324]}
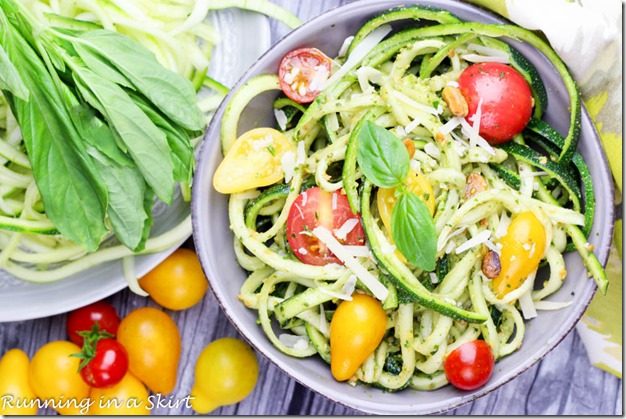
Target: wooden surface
{"type": "Point", "coordinates": [564, 383]}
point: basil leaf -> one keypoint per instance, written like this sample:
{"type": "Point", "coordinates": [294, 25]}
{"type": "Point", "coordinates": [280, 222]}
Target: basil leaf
{"type": "Point", "coordinates": [10, 78]}
{"type": "Point", "coordinates": [65, 176]}
{"type": "Point", "coordinates": [167, 90]}
{"type": "Point", "coordinates": [126, 189]}
{"type": "Point", "coordinates": [382, 157]}
{"type": "Point", "coordinates": [413, 231]}
{"type": "Point", "coordinates": [146, 144]}
{"type": "Point", "coordinates": [177, 138]}
{"type": "Point", "coordinates": [98, 65]}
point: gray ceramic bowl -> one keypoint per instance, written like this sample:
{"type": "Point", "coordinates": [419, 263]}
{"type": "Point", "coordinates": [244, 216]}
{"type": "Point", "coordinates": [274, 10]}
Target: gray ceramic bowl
{"type": "Point", "coordinates": [214, 240]}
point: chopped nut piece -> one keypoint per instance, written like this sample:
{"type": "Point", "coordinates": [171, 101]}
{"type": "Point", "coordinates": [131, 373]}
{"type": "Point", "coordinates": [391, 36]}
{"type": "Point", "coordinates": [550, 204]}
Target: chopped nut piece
{"type": "Point", "coordinates": [410, 146]}
{"type": "Point", "coordinates": [475, 183]}
{"type": "Point", "coordinates": [491, 265]}
{"type": "Point", "coordinates": [562, 273]}
{"type": "Point", "coordinates": [455, 100]}
{"type": "Point", "coordinates": [439, 137]}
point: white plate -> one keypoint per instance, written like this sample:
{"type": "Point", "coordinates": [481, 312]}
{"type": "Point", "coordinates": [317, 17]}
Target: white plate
{"type": "Point", "coordinates": [21, 300]}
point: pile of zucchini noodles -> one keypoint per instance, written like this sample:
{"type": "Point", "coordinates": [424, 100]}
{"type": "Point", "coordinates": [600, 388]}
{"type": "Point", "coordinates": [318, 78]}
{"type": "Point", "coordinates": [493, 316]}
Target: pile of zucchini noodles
{"type": "Point", "coordinates": [182, 39]}
{"type": "Point", "coordinates": [397, 83]}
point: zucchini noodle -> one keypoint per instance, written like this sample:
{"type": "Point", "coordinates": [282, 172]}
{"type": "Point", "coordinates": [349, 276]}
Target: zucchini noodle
{"type": "Point", "coordinates": [398, 84]}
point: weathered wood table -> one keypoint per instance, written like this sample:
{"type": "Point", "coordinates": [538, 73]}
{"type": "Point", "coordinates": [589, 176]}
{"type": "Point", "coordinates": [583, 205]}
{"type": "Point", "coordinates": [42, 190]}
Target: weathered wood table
{"type": "Point", "coordinates": [564, 383]}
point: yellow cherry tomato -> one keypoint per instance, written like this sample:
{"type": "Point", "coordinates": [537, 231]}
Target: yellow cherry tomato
{"type": "Point", "coordinates": [152, 341]}
{"type": "Point", "coordinates": [254, 160]}
{"type": "Point", "coordinates": [128, 397]}
{"type": "Point", "coordinates": [54, 377]}
{"type": "Point", "coordinates": [523, 247]}
{"type": "Point", "coordinates": [356, 330]}
{"type": "Point", "coordinates": [226, 372]}
{"type": "Point", "coordinates": [178, 282]}
{"type": "Point", "coordinates": [386, 199]}
{"type": "Point", "coordinates": [16, 395]}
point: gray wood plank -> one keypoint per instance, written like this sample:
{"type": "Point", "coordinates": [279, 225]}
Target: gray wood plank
{"type": "Point", "coordinates": [564, 383]}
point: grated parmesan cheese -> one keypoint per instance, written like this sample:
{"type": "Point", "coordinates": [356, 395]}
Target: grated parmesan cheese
{"type": "Point", "coordinates": [281, 119]}
{"type": "Point", "coordinates": [358, 251]}
{"type": "Point", "coordinates": [412, 125]}
{"type": "Point", "coordinates": [480, 238]}
{"type": "Point", "coordinates": [476, 58]}
{"type": "Point", "coordinates": [407, 100]}
{"type": "Point", "coordinates": [261, 143]}
{"type": "Point", "coordinates": [293, 341]}
{"type": "Point", "coordinates": [432, 150]}
{"type": "Point", "coordinates": [527, 305]}
{"type": "Point", "coordinates": [342, 232]}
{"type": "Point", "coordinates": [344, 47]}
{"type": "Point", "coordinates": [300, 153]}
{"type": "Point", "coordinates": [288, 164]}
{"type": "Point", "coordinates": [350, 285]}
{"type": "Point", "coordinates": [333, 200]}
{"type": "Point", "coordinates": [369, 280]}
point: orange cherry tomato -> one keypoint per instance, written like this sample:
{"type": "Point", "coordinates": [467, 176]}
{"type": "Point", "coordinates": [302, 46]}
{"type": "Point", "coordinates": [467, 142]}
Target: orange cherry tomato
{"type": "Point", "coordinates": [178, 282]}
{"type": "Point", "coordinates": [523, 247]}
{"type": "Point", "coordinates": [356, 330]}
{"type": "Point", "coordinates": [16, 395]}
{"type": "Point", "coordinates": [152, 341]}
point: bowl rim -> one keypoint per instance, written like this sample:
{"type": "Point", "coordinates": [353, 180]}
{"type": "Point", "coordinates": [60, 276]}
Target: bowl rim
{"type": "Point", "coordinates": [214, 128]}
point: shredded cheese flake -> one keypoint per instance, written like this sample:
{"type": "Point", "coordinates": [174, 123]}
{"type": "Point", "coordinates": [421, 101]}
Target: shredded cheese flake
{"type": "Point", "coordinates": [288, 164]}
{"type": "Point", "coordinates": [293, 341]}
{"type": "Point", "coordinates": [527, 305]}
{"type": "Point", "coordinates": [344, 47]}
{"type": "Point", "coordinates": [342, 232]}
{"type": "Point", "coordinates": [281, 119]}
{"type": "Point", "coordinates": [480, 238]}
{"type": "Point", "coordinates": [261, 143]}
{"type": "Point", "coordinates": [369, 280]}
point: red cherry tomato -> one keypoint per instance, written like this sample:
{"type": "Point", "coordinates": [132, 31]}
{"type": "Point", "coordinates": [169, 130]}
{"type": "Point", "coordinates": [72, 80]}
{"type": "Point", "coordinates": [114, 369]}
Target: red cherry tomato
{"type": "Point", "coordinates": [315, 207]}
{"type": "Point", "coordinates": [302, 73]}
{"type": "Point", "coordinates": [84, 318]}
{"type": "Point", "coordinates": [108, 365]}
{"type": "Point", "coordinates": [507, 100]}
{"type": "Point", "coordinates": [470, 365]}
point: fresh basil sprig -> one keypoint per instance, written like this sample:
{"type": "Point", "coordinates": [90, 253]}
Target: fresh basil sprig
{"type": "Point", "coordinates": [384, 161]}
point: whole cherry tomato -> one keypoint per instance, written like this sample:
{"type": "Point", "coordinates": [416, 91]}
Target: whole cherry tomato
{"type": "Point", "coordinates": [504, 96]}
{"type": "Point", "coordinates": [152, 341]}
{"type": "Point", "coordinates": [316, 207]}
{"type": "Point", "coordinates": [523, 247]}
{"type": "Point", "coordinates": [226, 373]}
{"type": "Point", "coordinates": [128, 397]}
{"type": "Point", "coordinates": [356, 330]}
{"type": "Point", "coordinates": [53, 375]}
{"type": "Point", "coordinates": [254, 160]}
{"type": "Point", "coordinates": [105, 363]}
{"type": "Point", "coordinates": [302, 74]}
{"type": "Point", "coordinates": [16, 394]}
{"type": "Point", "coordinates": [470, 365]}
{"type": "Point", "coordinates": [178, 282]}
{"type": "Point", "coordinates": [84, 318]}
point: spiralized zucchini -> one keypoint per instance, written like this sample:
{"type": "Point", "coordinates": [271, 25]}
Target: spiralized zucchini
{"type": "Point", "coordinates": [389, 87]}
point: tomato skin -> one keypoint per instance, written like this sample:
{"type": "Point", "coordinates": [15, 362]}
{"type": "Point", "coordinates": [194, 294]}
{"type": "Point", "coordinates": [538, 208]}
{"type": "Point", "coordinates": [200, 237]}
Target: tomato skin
{"type": "Point", "coordinates": [14, 386]}
{"type": "Point", "coordinates": [470, 365]}
{"type": "Point", "coordinates": [226, 372]}
{"type": "Point", "coordinates": [313, 208]}
{"type": "Point", "coordinates": [83, 319]}
{"type": "Point", "coordinates": [178, 282]}
{"type": "Point", "coordinates": [247, 166]}
{"type": "Point", "coordinates": [153, 343]}
{"type": "Point", "coordinates": [108, 366]}
{"type": "Point", "coordinates": [523, 247]}
{"type": "Point", "coordinates": [313, 67]}
{"type": "Point", "coordinates": [127, 397]}
{"type": "Point", "coordinates": [507, 100]}
{"type": "Point", "coordinates": [356, 330]}
{"type": "Point", "coordinates": [53, 374]}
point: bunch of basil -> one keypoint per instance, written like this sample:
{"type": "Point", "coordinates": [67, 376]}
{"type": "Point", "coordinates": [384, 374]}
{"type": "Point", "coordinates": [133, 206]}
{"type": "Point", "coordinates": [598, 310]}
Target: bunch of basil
{"type": "Point", "coordinates": [105, 126]}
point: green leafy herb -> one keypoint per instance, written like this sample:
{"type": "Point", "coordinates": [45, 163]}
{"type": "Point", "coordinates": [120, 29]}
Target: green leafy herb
{"type": "Point", "coordinates": [413, 231]}
{"type": "Point", "coordinates": [105, 126]}
{"type": "Point", "coordinates": [384, 161]}
{"type": "Point", "coordinates": [381, 156]}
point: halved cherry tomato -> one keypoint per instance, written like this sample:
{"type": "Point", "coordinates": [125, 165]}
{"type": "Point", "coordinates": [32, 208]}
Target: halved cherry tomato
{"type": "Point", "coordinates": [106, 363]}
{"type": "Point", "coordinates": [315, 207]}
{"type": "Point", "coordinates": [356, 330]}
{"type": "Point", "coordinates": [178, 282]}
{"type": "Point", "coordinates": [507, 100]}
{"type": "Point", "coordinates": [470, 365]}
{"type": "Point", "coordinates": [83, 319]}
{"type": "Point", "coordinates": [302, 73]}
{"type": "Point", "coordinates": [523, 247]}
{"type": "Point", "coordinates": [254, 160]}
